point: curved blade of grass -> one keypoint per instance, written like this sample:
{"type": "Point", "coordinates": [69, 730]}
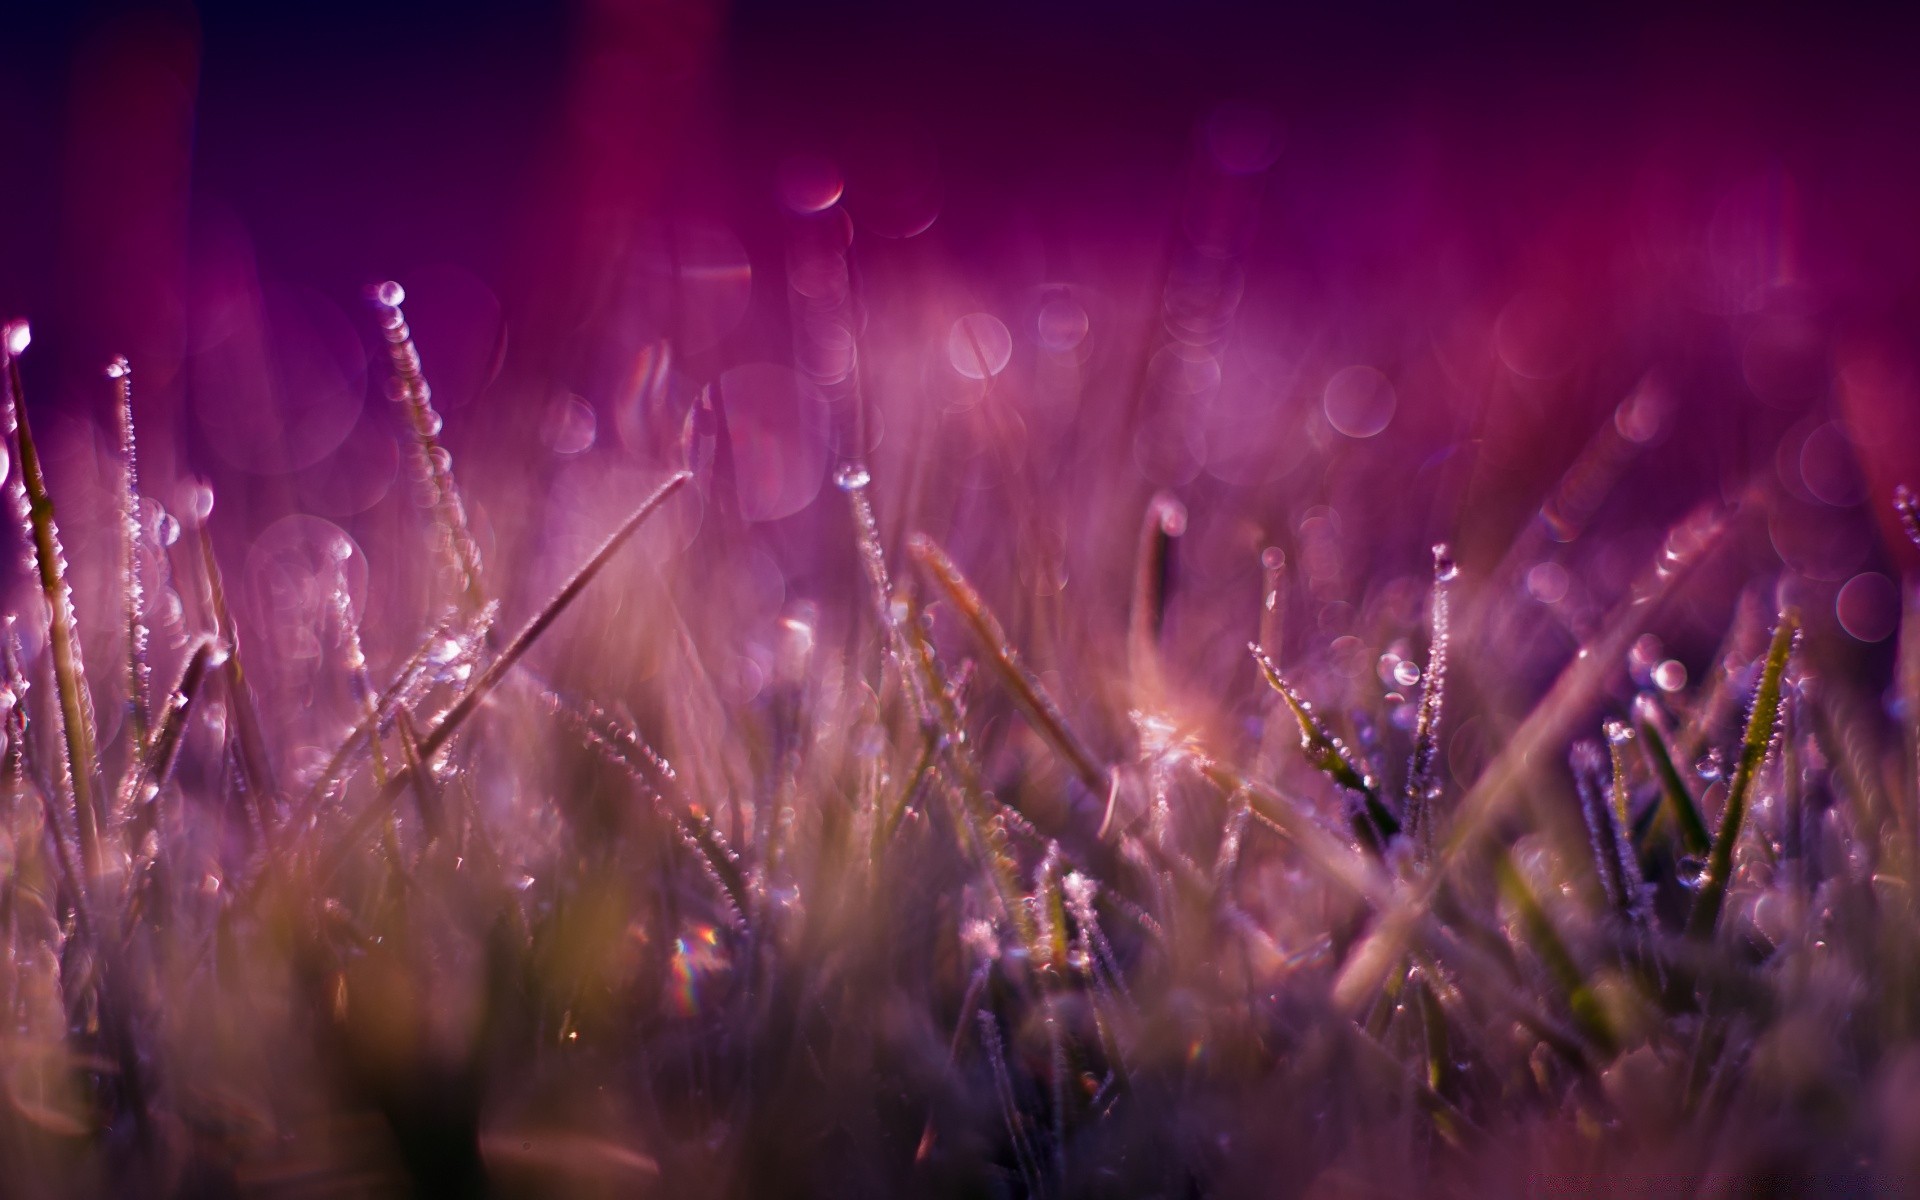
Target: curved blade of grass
{"type": "Point", "coordinates": [35, 509]}
{"type": "Point", "coordinates": [620, 743]}
{"type": "Point", "coordinates": [1019, 680]}
{"type": "Point", "coordinates": [484, 686]}
{"type": "Point", "coordinates": [1761, 721]}
{"type": "Point", "coordinates": [1165, 520]}
{"type": "Point", "coordinates": [1374, 825]}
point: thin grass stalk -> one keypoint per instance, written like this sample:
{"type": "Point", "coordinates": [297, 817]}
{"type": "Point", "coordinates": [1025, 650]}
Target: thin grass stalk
{"type": "Point", "coordinates": [1423, 788]}
{"type": "Point", "coordinates": [256, 766]}
{"type": "Point", "coordinates": [1506, 781]}
{"type": "Point", "coordinates": [484, 686]}
{"type": "Point", "coordinates": [1374, 825]}
{"type": "Point", "coordinates": [131, 588]}
{"type": "Point", "coordinates": [1762, 720]}
{"type": "Point", "coordinates": [1165, 520]}
{"type": "Point", "coordinates": [1019, 680]}
{"type": "Point", "coordinates": [154, 767]}
{"type": "Point", "coordinates": [1553, 954]}
{"type": "Point", "coordinates": [35, 506]}
{"type": "Point", "coordinates": [463, 554]}
{"type": "Point", "coordinates": [1694, 838]}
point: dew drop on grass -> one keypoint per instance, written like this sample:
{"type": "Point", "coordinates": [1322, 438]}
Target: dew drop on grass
{"type": "Point", "coordinates": [1689, 870]}
{"type": "Point", "coordinates": [852, 477]}
{"type": "Point", "coordinates": [1406, 673]}
{"type": "Point", "coordinates": [1619, 732]}
{"type": "Point", "coordinates": [118, 367]}
{"type": "Point", "coordinates": [1445, 568]}
{"type": "Point", "coordinates": [17, 334]}
{"type": "Point", "coordinates": [390, 294]}
{"type": "Point", "coordinates": [1670, 676]}
{"type": "Point", "coordinates": [1710, 766]}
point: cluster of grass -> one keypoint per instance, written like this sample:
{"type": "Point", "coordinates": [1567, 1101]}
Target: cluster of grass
{"type": "Point", "coordinates": [920, 918]}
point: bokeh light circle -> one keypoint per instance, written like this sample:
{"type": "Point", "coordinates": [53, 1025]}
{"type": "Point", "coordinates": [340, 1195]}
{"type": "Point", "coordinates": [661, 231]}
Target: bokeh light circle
{"type": "Point", "coordinates": [1359, 401]}
{"type": "Point", "coordinates": [1868, 607]}
{"type": "Point", "coordinates": [979, 345]}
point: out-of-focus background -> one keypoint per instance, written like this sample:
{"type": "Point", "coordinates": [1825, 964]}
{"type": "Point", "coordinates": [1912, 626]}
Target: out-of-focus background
{"type": "Point", "coordinates": [1371, 273]}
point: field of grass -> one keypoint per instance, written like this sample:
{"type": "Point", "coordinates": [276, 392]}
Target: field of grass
{"type": "Point", "coordinates": [1373, 875]}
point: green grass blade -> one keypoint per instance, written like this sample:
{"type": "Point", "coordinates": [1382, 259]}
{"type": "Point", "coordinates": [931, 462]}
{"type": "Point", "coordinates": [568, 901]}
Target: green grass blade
{"type": "Point", "coordinates": [1374, 825]}
{"type": "Point", "coordinates": [1006, 661]}
{"type": "Point", "coordinates": [35, 508]}
{"type": "Point", "coordinates": [1761, 721]}
{"type": "Point", "coordinates": [1694, 838]}
{"type": "Point", "coordinates": [1553, 953]}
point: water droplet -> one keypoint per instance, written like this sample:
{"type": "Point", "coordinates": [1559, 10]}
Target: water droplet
{"type": "Point", "coordinates": [200, 501]}
{"type": "Point", "coordinates": [1709, 767]}
{"type": "Point", "coordinates": [1062, 324]}
{"type": "Point", "coordinates": [1689, 870]}
{"type": "Point", "coordinates": [1548, 582]}
{"type": "Point", "coordinates": [852, 477]}
{"type": "Point", "coordinates": [433, 423]}
{"type": "Point", "coordinates": [1358, 401]}
{"type": "Point", "coordinates": [809, 184]}
{"type": "Point", "coordinates": [118, 367]}
{"type": "Point", "coordinates": [1406, 673]}
{"type": "Point", "coordinates": [390, 294]}
{"type": "Point", "coordinates": [571, 426]}
{"type": "Point", "coordinates": [17, 334]}
{"type": "Point", "coordinates": [166, 528]}
{"type": "Point", "coordinates": [1445, 569]}
{"type": "Point", "coordinates": [1619, 732]}
{"type": "Point", "coordinates": [1670, 676]}
{"type": "Point", "coordinates": [1273, 558]}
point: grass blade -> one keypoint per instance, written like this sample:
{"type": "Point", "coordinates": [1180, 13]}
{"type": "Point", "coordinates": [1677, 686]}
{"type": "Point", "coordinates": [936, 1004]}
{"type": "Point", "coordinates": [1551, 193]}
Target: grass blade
{"type": "Point", "coordinates": [1694, 838]}
{"type": "Point", "coordinates": [35, 509]}
{"type": "Point", "coordinates": [1373, 825]}
{"type": "Point", "coordinates": [138, 672]}
{"type": "Point", "coordinates": [155, 764]}
{"type": "Point", "coordinates": [1019, 680]}
{"type": "Point", "coordinates": [1423, 788]}
{"type": "Point", "coordinates": [1761, 722]}
{"type": "Point", "coordinates": [1553, 953]}
{"type": "Point", "coordinates": [456, 538]}
{"type": "Point", "coordinates": [255, 765]}
{"type": "Point", "coordinates": [1165, 520]}
{"type": "Point", "coordinates": [484, 686]}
